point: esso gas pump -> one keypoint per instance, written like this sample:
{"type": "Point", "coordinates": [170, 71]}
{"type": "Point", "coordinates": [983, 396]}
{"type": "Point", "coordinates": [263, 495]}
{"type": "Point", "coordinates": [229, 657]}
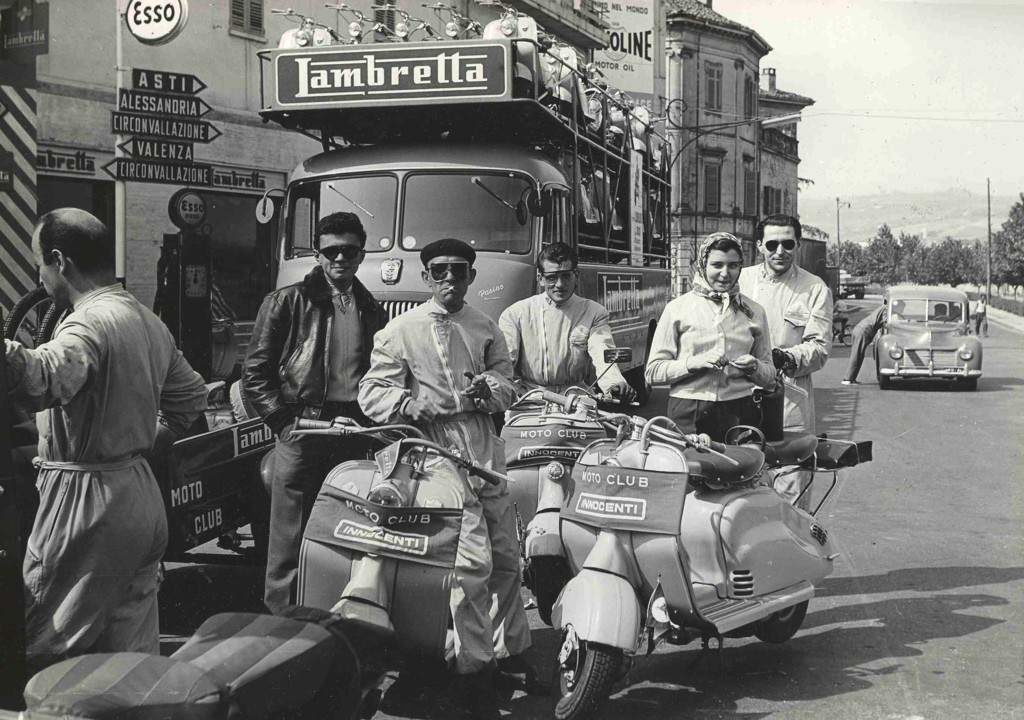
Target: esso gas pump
{"type": "Point", "coordinates": [184, 288]}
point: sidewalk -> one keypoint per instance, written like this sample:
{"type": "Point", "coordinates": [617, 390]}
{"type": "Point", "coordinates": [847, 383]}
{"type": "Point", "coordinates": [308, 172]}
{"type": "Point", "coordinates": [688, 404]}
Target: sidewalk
{"type": "Point", "coordinates": [1005, 319]}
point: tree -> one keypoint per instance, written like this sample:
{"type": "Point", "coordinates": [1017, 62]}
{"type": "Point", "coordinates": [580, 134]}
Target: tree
{"type": "Point", "coordinates": [951, 262]}
{"type": "Point", "coordinates": [881, 258]}
{"type": "Point", "coordinates": [849, 257]}
{"type": "Point", "coordinates": [912, 257]}
{"type": "Point", "coordinates": [1008, 248]}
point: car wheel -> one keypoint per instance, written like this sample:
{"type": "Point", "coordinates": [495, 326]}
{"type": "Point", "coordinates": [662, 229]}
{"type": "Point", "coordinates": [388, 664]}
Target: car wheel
{"type": "Point", "coordinates": [884, 383]}
{"type": "Point", "coordinates": [969, 384]}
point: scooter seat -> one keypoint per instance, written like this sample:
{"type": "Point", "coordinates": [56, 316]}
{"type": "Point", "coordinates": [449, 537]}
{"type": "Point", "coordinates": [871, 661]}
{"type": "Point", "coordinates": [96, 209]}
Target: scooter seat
{"type": "Point", "coordinates": [125, 686]}
{"type": "Point", "coordinates": [266, 663]}
{"type": "Point", "coordinates": [793, 449]}
{"type": "Point", "coordinates": [715, 472]}
{"type": "Point", "coordinates": [260, 665]}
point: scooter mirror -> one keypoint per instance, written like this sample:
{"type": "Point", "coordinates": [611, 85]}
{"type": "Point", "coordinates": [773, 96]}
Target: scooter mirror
{"type": "Point", "coordinates": [618, 355]}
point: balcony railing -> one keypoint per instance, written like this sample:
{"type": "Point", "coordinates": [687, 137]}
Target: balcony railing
{"type": "Point", "coordinates": [775, 139]}
{"type": "Point", "coordinates": [585, 27]}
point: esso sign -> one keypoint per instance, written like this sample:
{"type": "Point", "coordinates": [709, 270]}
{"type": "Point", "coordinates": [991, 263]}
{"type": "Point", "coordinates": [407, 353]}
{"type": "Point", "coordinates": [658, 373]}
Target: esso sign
{"type": "Point", "coordinates": [155, 22]}
{"type": "Point", "coordinates": [187, 209]}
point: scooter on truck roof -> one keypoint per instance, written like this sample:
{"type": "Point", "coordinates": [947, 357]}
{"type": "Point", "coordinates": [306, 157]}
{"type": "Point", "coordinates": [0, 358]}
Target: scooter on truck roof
{"type": "Point", "coordinates": [380, 546]}
{"type": "Point", "coordinates": [671, 537]}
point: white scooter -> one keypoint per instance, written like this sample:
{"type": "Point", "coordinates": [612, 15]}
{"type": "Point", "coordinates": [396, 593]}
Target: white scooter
{"type": "Point", "coordinates": [671, 537]}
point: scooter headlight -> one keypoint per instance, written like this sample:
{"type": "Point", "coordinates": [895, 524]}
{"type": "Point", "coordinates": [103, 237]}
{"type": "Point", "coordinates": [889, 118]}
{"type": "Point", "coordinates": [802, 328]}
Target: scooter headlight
{"type": "Point", "coordinates": [451, 29]}
{"type": "Point", "coordinates": [402, 30]}
{"type": "Point", "coordinates": [555, 471]}
{"type": "Point", "coordinates": [895, 352]}
{"type": "Point", "coordinates": [508, 26]}
{"type": "Point", "coordinates": [965, 353]}
{"type": "Point", "coordinates": [355, 30]}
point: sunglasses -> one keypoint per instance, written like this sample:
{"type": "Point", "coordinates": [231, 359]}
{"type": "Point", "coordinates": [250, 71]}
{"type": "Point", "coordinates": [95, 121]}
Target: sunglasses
{"type": "Point", "coordinates": [552, 278]}
{"type": "Point", "coordinates": [349, 252]}
{"type": "Point", "coordinates": [772, 245]}
{"type": "Point", "coordinates": [440, 271]}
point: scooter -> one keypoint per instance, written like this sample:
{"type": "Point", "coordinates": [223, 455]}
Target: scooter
{"type": "Point", "coordinates": [542, 443]}
{"type": "Point", "coordinates": [670, 537]}
{"type": "Point", "coordinates": [380, 546]}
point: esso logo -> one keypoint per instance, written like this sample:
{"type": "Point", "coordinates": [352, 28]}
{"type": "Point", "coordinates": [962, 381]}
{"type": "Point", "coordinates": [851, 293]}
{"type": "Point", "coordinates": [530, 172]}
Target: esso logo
{"type": "Point", "coordinates": [155, 22]}
{"type": "Point", "coordinates": [187, 209]}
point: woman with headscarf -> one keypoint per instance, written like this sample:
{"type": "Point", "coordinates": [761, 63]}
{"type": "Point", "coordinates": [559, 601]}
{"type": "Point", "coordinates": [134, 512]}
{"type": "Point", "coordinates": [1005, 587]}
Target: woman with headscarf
{"type": "Point", "coordinates": [712, 346]}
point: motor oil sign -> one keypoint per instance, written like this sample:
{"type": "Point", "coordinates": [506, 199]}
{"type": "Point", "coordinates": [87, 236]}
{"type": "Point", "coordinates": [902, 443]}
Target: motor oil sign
{"type": "Point", "coordinates": [627, 61]}
{"type": "Point", "coordinates": [383, 74]}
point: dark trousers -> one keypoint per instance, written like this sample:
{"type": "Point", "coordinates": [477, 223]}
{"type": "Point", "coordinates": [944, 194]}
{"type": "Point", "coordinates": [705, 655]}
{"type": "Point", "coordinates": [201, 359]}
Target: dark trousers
{"type": "Point", "coordinates": [862, 338]}
{"type": "Point", "coordinates": [713, 418]}
{"type": "Point", "coordinates": [980, 319]}
{"type": "Point", "coordinates": [300, 465]}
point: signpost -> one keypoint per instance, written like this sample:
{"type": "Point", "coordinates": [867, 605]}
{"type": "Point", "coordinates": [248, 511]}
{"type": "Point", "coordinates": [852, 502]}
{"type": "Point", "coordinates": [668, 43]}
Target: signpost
{"type": "Point", "coordinates": [161, 103]}
{"type": "Point", "coordinates": [147, 149]}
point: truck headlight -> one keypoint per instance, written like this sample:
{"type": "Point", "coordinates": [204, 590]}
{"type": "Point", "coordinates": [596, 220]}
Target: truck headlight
{"type": "Point", "coordinates": [965, 352]}
{"type": "Point", "coordinates": [895, 352]}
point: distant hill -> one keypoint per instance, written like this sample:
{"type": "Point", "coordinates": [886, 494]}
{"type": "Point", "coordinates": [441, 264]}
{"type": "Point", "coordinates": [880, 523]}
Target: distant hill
{"type": "Point", "coordinates": [933, 216]}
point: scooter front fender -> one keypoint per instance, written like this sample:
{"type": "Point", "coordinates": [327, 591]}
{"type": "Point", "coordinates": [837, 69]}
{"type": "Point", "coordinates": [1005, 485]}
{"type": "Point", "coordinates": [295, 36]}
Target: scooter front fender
{"type": "Point", "coordinates": [601, 607]}
{"type": "Point", "coordinates": [542, 536]}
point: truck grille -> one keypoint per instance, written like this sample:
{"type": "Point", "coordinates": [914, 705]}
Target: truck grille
{"type": "Point", "coordinates": [394, 308]}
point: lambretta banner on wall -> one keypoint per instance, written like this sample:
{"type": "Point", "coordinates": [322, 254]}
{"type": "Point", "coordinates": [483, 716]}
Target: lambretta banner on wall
{"type": "Point", "coordinates": [628, 60]}
{"type": "Point", "coordinates": [383, 74]}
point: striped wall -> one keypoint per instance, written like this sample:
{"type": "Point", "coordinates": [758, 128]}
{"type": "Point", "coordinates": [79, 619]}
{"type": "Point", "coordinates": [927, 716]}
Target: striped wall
{"type": "Point", "coordinates": [18, 206]}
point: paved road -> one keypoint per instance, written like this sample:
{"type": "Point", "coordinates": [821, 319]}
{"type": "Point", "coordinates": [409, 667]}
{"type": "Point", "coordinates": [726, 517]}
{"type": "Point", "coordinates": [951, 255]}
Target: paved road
{"type": "Point", "coordinates": [924, 616]}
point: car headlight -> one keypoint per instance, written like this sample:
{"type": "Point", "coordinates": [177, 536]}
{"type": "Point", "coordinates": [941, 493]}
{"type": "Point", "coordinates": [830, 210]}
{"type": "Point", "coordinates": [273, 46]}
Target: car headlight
{"type": "Point", "coordinates": [895, 352]}
{"type": "Point", "coordinates": [965, 352]}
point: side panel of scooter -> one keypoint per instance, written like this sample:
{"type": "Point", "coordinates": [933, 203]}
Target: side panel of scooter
{"type": "Point", "coordinates": [662, 557]}
{"type": "Point", "coordinates": [699, 538]}
{"type": "Point", "coordinates": [602, 608]}
{"type": "Point", "coordinates": [768, 544]}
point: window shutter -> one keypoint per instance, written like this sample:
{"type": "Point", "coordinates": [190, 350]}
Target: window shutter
{"type": "Point", "coordinates": [255, 23]}
{"type": "Point", "coordinates": [712, 189]}
{"type": "Point", "coordinates": [238, 14]}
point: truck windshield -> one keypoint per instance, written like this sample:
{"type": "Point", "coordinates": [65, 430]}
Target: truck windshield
{"type": "Point", "coordinates": [487, 210]}
{"type": "Point", "coordinates": [372, 198]}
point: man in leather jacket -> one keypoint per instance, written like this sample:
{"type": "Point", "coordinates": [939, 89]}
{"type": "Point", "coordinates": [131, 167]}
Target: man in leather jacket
{"type": "Point", "coordinates": [310, 348]}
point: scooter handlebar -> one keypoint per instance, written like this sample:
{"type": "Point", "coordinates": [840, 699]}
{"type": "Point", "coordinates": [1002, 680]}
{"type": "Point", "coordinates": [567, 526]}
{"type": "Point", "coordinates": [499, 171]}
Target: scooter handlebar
{"type": "Point", "coordinates": [303, 424]}
{"type": "Point", "coordinates": [563, 400]}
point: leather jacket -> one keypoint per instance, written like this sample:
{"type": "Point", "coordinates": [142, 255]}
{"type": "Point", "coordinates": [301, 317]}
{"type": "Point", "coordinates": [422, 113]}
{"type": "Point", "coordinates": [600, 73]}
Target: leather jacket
{"type": "Point", "coordinates": [287, 366]}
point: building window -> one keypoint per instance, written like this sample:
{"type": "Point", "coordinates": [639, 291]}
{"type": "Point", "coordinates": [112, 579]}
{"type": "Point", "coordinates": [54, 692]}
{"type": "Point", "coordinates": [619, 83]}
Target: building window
{"type": "Point", "coordinates": [748, 98]}
{"type": "Point", "coordinates": [772, 200]}
{"type": "Point", "coordinates": [749, 188]}
{"type": "Point", "coordinates": [713, 86]}
{"type": "Point", "coordinates": [385, 17]}
{"type": "Point", "coordinates": [785, 203]}
{"type": "Point", "coordinates": [712, 189]}
{"type": "Point", "coordinates": [247, 16]}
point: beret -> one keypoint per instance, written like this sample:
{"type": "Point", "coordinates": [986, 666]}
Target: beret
{"type": "Point", "coordinates": [447, 246]}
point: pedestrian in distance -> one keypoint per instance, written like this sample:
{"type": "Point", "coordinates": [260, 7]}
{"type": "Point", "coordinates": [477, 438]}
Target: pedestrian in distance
{"type": "Point", "coordinates": [863, 335]}
{"type": "Point", "coordinates": [981, 315]}
{"type": "Point", "coordinates": [101, 386]}
{"type": "Point", "coordinates": [556, 339]}
{"type": "Point", "coordinates": [712, 345]}
{"type": "Point", "coordinates": [310, 346]}
{"type": "Point", "coordinates": [444, 367]}
{"type": "Point", "coordinates": [799, 309]}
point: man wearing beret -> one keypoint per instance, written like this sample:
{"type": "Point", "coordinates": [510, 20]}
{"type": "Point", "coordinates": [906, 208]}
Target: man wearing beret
{"type": "Point", "coordinates": [310, 346]}
{"type": "Point", "coordinates": [444, 367]}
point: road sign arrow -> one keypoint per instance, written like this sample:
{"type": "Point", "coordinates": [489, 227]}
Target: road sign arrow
{"type": "Point", "coordinates": [165, 128]}
{"type": "Point", "coordinates": [149, 171]}
{"type": "Point", "coordinates": [145, 149]}
{"type": "Point", "coordinates": [166, 81]}
{"type": "Point", "coordinates": [163, 104]}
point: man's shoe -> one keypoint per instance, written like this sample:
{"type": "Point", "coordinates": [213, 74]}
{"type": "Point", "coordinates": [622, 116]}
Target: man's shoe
{"type": "Point", "coordinates": [481, 697]}
{"type": "Point", "coordinates": [410, 695]}
{"type": "Point", "coordinates": [518, 665]}
{"type": "Point", "coordinates": [850, 382]}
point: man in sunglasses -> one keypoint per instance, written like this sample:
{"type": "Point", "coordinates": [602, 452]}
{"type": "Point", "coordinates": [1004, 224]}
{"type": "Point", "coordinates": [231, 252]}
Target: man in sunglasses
{"type": "Point", "coordinates": [557, 339]}
{"type": "Point", "coordinates": [444, 367]}
{"type": "Point", "coordinates": [799, 309]}
{"type": "Point", "coordinates": [310, 347]}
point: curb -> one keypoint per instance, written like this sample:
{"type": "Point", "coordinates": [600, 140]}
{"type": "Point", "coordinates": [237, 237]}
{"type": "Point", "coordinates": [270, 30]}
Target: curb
{"type": "Point", "coordinates": [1005, 319]}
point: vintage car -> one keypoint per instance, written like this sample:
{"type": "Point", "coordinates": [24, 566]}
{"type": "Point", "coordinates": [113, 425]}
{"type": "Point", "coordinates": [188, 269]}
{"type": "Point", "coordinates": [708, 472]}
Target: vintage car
{"type": "Point", "coordinates": [926, 335]}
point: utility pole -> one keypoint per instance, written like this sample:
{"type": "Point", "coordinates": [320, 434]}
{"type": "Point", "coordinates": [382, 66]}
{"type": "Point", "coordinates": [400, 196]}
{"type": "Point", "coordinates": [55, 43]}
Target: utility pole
{"type": "Point", "coordinates": [988, 247]}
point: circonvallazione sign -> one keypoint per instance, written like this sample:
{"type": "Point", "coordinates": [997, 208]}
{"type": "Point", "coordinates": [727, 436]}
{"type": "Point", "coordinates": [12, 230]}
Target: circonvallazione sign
{"type": "Point", "coordinates": [155, 22]}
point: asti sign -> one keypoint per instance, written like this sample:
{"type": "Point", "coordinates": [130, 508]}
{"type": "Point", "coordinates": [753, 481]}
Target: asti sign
{"type": "Point", "coordinates": [383, 74]}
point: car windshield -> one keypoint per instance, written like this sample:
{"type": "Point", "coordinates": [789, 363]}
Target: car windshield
{"type": "Point", "coordinates": [372, 198]}
{"type": "Point", "coordinates": [922, 310]}
{"type": "Point", "coordinates": [487, 210]}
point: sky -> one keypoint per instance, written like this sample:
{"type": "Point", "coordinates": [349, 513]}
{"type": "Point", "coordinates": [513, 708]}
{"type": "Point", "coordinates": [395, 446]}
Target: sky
{"type": "Point", "coordinates": [910, 95]}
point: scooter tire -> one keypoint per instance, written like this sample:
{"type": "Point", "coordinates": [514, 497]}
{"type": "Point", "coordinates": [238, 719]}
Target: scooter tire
{"type": "Point", "coordinates": [37, 300]}
{"type": "Point", "coordinates": [599, 671]}
{"type": "Point", "coordinates": [782, 625]}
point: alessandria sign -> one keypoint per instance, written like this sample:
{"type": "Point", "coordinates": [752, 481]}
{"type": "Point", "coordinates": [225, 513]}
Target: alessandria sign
{"type": "Point", "coordinates": [385, 74]}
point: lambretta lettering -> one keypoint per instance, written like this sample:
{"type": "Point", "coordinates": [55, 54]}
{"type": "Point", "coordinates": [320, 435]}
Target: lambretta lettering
{"type": "Point", "coordinates": [617, 508]}
{"type": "Point", "coordinates": [372, 535]}
{"type": "Point", "coordinates": [370, 72]}
{"type": "Point", "coordinates": [614, 478]}
{"type": "Point", "coordinates": [186, 493]}
{"type": "Point", "coordinates": [257, 437]}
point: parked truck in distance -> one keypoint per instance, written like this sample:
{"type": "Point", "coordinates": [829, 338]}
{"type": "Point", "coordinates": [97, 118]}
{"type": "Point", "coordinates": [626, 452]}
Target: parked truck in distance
{"type": "Point", "coordinates": [851, 285]}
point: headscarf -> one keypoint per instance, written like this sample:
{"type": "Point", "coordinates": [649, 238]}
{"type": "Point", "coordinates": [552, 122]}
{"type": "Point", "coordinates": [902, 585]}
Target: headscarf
{"type": "Point", "coordinates": [701, 284]}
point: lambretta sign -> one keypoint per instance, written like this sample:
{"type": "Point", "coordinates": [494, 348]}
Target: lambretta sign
{"type": "Point", "coordinates": [428, 73]}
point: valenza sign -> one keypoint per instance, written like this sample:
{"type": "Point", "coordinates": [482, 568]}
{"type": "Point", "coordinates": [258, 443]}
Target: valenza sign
{"type": "Point", "coordinates": [371, 74]}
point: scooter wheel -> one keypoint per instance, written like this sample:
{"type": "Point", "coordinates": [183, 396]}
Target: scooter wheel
{"type": "Point", "coordinates": [782, 625]}
{"type": "Point", "coordinates": [585, 680]}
